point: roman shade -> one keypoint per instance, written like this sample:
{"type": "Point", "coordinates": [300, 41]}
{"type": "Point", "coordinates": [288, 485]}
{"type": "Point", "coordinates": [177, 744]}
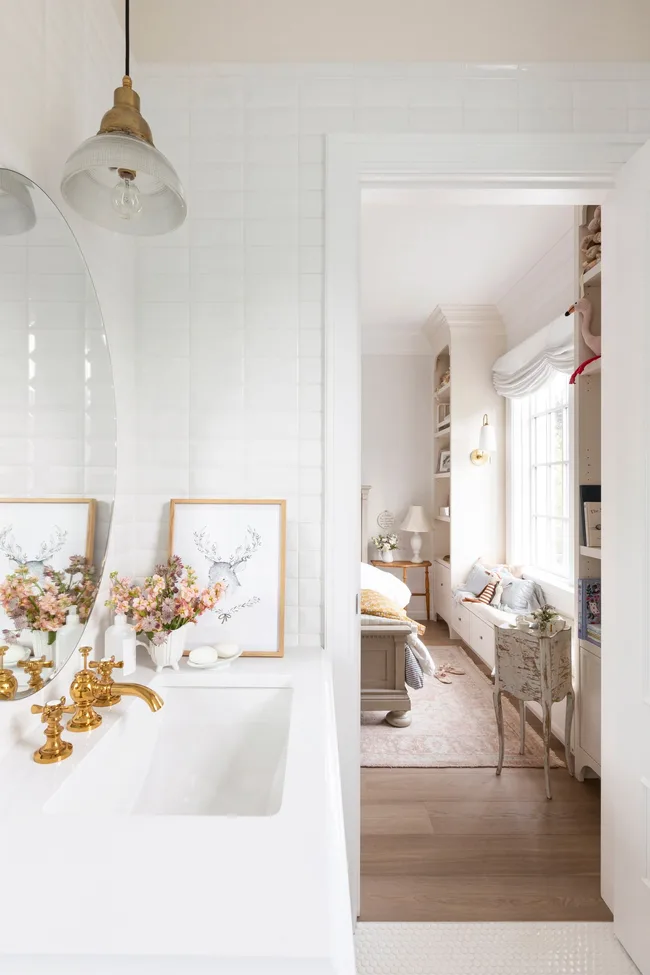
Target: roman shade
{"type": "Point", "coordinates": [530, 364]}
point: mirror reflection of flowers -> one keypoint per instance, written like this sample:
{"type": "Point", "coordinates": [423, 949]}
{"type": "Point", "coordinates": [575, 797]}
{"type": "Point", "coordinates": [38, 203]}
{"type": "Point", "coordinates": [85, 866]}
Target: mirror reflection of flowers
{"type": "Point", "coordinates": [42, 604]}
{"type": "Point", "coordinates": [168, 600]}
{"type": "Point", "coordinates": [385, 543]}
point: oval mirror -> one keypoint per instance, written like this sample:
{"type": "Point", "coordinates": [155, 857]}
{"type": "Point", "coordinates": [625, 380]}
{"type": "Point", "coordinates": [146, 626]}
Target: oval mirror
{"type": "Point", "coordinates": [57, 446]}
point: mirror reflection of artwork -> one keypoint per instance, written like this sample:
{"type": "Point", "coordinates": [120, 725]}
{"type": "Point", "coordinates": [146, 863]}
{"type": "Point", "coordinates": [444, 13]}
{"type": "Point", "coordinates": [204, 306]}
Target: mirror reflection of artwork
{"type": "Point", "coordinates": [40, 533]}
{"type": "Point", "coordinates": [242, 544]}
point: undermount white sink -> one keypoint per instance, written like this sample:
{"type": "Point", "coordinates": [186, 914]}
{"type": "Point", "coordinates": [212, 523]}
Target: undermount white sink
{"type": "Point", "coordinates": [210, 751]}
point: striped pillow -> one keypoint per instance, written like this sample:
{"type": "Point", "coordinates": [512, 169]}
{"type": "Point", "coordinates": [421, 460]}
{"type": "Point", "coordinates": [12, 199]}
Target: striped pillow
{"type": "Point", "coordinates": [488, 593]}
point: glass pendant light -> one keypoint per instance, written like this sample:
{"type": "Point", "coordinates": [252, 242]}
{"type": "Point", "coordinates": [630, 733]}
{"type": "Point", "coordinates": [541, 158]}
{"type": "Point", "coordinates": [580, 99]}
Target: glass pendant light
{"type": "Point", "coordinates": [117, 178]}
{"type": "Point", "coordinates": [17, 214]}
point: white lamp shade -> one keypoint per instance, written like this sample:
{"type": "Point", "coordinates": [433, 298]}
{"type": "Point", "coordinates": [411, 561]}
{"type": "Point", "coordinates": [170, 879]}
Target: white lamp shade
{"type": "Point", "coordinates": [487, 439]}
{"type": "Point", "coordinates": [416, 520]}
{"type": "Point", "coordinates": [90, 177]}
{"type": "Point", "coordinates": [17, 214]}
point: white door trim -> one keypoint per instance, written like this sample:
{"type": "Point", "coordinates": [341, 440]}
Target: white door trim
{"type": "Point", "coordinates": [522, 166]}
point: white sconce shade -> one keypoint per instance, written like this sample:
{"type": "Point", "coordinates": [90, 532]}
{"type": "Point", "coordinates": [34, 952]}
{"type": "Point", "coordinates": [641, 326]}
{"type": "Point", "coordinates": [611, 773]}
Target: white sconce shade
{"type": "Point", "coordinates": [416, 521]}
{"type": "Point", "coordinates": [487, 444]}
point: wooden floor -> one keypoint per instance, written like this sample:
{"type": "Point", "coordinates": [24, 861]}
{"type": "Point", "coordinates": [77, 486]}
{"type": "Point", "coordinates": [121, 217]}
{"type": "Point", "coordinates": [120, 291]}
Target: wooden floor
{"type": "Point", "coordinates": [464, 845]}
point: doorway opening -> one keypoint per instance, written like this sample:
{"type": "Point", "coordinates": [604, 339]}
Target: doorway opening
{"type": "Point", "coordinates": [465, 531]}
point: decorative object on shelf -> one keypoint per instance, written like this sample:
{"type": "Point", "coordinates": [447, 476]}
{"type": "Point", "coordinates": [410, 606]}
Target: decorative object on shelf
{"type": "Point", "coordinates": [8, 682]}
{"type": "Point", "coordinates": [54, 749]}
{"type": "Point", "coordinates": [591, 243]}
{"type": "Point", "coordinates": [487, 444]}
{"type": "Point", "coordinates": [444, 462]}
{"type": "Point", "coordinates": [385, 545]}
{"type": "Point", "coordinates": [242, 544]}
{"type": "Point", "coordinates": [386, 520]}
{"type": "Point", "coordinates": [589, 493]}
{"type": "Point", "coordinates": [416, 522]}
{"type": "Point", "coordinates": [83, 691]}
{"type": "Point", "coordinates": [589, 623]}
{"type": "Point", "coordinates": [99, 178]}
{"type": "Point", "coordinates": [17, 213]}
{"type": "Point", "coordinates": [533, 665]}
{"type": "Point", "coordinates": [584, 309]}
{"type": "Point", "coordinates": [34, 668]}
{"type": "Point", "coordinates": [593, 525]}
{"type": "Point", "coordinates": [444, 511]}
{"type": "Point", "coordinates": [443, 417]}
{"type": "Point", "coordinates": [445, 379]}
{"type": "Point", "coordinates": [163, 607]}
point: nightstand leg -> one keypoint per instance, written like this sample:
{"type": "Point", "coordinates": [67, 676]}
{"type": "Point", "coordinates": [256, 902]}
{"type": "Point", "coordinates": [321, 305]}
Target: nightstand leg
{"type": "Point", "coordinates": [546, 707]}
{"type": "Point", "coordinates": [522, 727]}
{"type": "Point", "coordinates": [426, 591]}
{"type": "Point", "coordinates": [567, 732]}
{"type": "Point", "coordinates": [498, 708]}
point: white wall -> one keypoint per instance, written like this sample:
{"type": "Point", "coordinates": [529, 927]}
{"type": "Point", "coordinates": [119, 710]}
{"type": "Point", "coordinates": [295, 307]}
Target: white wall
{"type": "Point", "coordinates": [397, 446]}
{"type": "Point", "coordinates": [59, 63]}
{"type": "Point", "coordinates": [502, 31]}
{"type": "Point", "coordinates": [543, 294]}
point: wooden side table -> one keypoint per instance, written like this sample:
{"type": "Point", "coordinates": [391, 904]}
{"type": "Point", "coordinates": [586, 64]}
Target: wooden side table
{"type": "Point", "coordinates": [532, 667]}
{"type": "Point", "coordinates": [405, 566]}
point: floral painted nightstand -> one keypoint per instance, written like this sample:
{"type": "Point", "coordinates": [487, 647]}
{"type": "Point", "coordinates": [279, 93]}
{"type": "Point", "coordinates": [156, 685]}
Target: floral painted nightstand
{"type": "Point", "coordinates": [534, 667]}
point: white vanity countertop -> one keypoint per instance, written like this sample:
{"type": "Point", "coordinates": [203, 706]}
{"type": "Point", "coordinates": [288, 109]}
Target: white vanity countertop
{"type": "Point", "coordinates": [258, 894]}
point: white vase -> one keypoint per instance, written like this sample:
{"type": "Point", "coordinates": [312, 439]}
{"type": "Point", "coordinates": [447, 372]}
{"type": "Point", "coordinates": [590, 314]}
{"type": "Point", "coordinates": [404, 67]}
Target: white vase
{"type": "Point", "coordinates": [169, 652]}
{"type": "Point", "coordinates": [40, 644]}
{"type": "Point", "coordinates": [387, 556]}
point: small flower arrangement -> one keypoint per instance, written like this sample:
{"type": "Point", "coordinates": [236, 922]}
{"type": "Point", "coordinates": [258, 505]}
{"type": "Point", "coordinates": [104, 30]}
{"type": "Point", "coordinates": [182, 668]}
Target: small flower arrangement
{"type": "Point", "coordinates": [385, 543]}
{"type": "Point", "coordinates": [168, 600]}
{"type": "Point", "coordinates": [547, 618]}
{"type": "Point", "coordinates": [42, 604]}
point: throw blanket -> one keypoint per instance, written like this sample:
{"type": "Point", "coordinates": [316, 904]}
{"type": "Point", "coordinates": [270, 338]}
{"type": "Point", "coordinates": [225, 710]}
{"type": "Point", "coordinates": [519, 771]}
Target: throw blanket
{"type": "Point", "coordinates": [374, 604]}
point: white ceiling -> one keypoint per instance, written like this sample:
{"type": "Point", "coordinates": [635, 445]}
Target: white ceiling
{"type": "Point", "coordinates": [416, 254]}
{"type": "Point", "coordinates": [502, 31]}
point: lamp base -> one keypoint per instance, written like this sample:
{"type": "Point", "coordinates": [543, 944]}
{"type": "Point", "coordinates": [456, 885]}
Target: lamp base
{"type": "Point", "coordinates": [416, 546]}
{"type": "Point", "coordinates": [479, 457]}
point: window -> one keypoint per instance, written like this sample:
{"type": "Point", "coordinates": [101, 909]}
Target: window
{"type": "Point", "coordinates": [540, 472]}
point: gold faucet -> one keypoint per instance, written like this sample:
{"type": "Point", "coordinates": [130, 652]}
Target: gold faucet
{"type": "Point", "coordinates": [83, 691]}
{"type": "Point", "coordinates": [33, 668]}
{"type": "Point", "coordinates": [54, 749]}
{"type": "Point", "coordinates": [110, 693]}
{"type": "Point", "coordinates": [8, 682]}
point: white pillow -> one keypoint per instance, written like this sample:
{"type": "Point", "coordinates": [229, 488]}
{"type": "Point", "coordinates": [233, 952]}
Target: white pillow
{"type": "Point", "coordinates": [385, 583]}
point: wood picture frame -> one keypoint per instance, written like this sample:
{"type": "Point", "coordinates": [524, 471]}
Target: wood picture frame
{"type": "Point", "coordinates": [201, 532]}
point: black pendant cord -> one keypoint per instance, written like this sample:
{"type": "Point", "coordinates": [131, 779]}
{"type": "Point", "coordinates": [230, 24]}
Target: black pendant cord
{"type": "Point", "coordinates": [127, 37]}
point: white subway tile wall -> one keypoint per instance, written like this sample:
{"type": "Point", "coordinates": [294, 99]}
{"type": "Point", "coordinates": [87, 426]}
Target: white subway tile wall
{"type": "Point", "coordinates": [229, 318]}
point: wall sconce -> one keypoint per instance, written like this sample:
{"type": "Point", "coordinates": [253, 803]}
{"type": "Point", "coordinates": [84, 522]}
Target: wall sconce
{"type": "Point", "coordinates": [487, 444]}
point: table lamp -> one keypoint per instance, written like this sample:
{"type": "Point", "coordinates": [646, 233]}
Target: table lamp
{"type": "Point", "coordinates": [416, 522]}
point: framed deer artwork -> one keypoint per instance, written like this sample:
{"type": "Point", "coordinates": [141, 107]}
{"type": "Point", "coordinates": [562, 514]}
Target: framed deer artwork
{"type": "Point", "coordinates": [43, 532]}
{"type": "Point", "coordinates": [243, 545]}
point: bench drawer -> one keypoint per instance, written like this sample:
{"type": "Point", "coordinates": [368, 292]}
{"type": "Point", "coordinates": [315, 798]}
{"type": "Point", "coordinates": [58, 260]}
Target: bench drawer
{"type": "Point", "coordinates": [481, 639]}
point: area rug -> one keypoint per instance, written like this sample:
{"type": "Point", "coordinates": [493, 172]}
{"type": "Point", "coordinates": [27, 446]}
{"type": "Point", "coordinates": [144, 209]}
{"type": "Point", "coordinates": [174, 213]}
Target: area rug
{"type": "Point", "coordinates": [453, 726]}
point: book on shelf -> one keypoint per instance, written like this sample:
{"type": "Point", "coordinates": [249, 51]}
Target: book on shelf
{"type": "Point", "coordinates": [589, 610]}
{"type": "Point", "coordinates": [592, 524]}
{"type": "Point", "coordinates": [591, 493]}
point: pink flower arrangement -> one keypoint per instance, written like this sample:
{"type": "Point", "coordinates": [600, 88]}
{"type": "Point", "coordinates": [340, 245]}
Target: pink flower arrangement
{"type": "Point", "coordinates": [169, 599]}
{"type": "Point", "coordinates": [41, 604]}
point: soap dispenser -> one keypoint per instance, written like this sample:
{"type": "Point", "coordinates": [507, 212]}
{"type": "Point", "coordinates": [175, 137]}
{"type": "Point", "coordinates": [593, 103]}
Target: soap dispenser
{"type": "Point", "coordinates": [67, 637]}
{"type": "Point", "coordinates": [120, 642]}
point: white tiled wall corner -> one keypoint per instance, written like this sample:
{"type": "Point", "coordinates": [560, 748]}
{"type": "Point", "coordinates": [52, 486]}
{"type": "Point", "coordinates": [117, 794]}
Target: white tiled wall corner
{"type": "Point", "coordinates": [230, 314]}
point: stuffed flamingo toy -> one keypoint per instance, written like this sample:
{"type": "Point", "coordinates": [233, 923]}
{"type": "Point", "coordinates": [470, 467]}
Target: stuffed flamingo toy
{"type": "Point", "coordinates": [593, 342]}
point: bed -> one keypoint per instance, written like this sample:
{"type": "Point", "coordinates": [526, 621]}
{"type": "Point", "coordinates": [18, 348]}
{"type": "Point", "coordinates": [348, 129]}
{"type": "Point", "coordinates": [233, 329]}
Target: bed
{"type": "Point", "coordinates": [383, 669]}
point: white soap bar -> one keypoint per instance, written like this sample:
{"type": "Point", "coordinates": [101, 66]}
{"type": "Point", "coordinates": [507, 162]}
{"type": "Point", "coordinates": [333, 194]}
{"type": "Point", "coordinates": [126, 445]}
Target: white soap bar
{"type": "Point", "coordinates": [227, 649]}
{"type": "Point", "coordinates": [203, 655]}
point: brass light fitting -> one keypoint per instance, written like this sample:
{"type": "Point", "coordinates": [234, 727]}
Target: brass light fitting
{"type": "Point", "coordinates": [8, 682]}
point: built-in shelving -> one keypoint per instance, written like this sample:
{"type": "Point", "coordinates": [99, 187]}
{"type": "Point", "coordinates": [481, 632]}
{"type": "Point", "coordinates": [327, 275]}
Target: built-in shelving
{"type": "Point", "coordinates": [443, 474]}
{"type": "Point", "coordinates": [443, 433]}
{"type": "Point", "coordinates": [590, 647]}
{"type": "Point", "coordinates": [442, 518]}
{"type": "Point", "coordinates": [590, 552]}
{"type": "Point", "coordinates": [592, 275]}
{"type": "Point", "coordinates": [444, 392]}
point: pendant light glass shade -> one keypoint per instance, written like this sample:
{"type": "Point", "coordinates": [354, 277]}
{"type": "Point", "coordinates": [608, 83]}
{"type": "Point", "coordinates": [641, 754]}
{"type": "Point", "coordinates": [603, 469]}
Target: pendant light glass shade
{"type": "Point", "coordinates": [124, 184]}
{"type": "Point", "coordinates": [17, 214]}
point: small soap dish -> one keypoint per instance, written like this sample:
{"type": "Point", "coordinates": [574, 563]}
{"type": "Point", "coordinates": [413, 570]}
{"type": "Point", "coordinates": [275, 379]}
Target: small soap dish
{"type": "Point", "coordinates": [207, 658]}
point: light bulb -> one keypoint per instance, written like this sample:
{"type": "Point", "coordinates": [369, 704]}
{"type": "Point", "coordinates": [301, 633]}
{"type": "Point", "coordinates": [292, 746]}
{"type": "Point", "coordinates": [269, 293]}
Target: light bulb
{"type": "Point", "coordinates": [126, 199]}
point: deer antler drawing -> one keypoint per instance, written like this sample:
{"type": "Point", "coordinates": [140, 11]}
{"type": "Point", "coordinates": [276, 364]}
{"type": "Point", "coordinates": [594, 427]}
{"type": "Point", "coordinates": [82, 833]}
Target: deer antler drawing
{"type": "Point", "coordinates": [225, 570]}
{"type": "Point", "coordinates": [48, 548]}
